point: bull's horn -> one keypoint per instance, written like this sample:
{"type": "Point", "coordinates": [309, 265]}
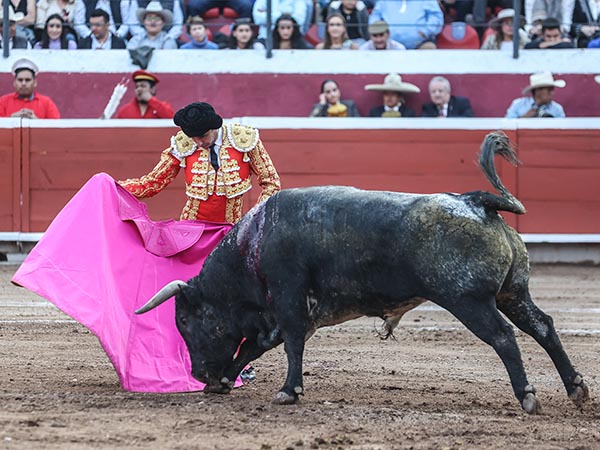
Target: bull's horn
{"type": "Point", "coordinates": [163, 295]}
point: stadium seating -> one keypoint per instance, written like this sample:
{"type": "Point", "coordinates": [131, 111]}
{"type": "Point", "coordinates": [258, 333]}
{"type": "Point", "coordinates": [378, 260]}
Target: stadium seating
{"type": "Point", "coordinates": [458, 35]}
{"type": "Point", "coordinates": [216, 18]}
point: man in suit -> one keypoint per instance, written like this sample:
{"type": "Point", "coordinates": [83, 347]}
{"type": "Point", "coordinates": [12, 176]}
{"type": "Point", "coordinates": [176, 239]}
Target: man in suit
{"type": "Point", "coordinates": [101, 38]}
{"type": "Point", "coordinates": [393, 90]}
{"type": "Point", "coordinates": [443, 103]}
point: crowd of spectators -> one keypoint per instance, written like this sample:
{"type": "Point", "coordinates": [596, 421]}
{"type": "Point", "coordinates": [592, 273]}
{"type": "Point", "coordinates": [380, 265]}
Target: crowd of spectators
{"type": "Point", "coordinates": [320, 24]}
{"type": "Point", "coordinates": [538, 99]}
{"type": "Point", "coordinates": [308, 24]}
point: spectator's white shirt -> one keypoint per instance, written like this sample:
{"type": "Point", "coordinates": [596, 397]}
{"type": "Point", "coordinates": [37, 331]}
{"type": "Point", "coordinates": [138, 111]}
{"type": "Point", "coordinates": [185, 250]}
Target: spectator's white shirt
{"type": "Point", "coordinates": [80, 22]}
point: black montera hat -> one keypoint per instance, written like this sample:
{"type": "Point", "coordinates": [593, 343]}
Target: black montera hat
{"type": "Point", "coordinates": [197, 118]}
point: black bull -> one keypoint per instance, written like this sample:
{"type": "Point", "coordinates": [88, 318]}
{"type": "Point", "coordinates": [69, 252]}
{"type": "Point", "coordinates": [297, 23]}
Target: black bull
{"type": "Point", "coordinates": [313, 257]}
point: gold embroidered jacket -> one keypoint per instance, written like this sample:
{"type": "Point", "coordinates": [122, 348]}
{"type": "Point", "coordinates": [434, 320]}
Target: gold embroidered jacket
{"type": "Point", "coordinates": [241, 154]}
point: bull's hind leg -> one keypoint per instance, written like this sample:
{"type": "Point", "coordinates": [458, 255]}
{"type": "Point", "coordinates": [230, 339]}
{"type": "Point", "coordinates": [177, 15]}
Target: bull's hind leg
{"type": "Point", "coordinates": [530, 319]}
{"type": "Point", "coordinates": [484, 320]}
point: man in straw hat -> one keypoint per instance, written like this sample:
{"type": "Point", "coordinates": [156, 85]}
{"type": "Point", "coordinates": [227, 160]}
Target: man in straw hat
{"type": "Point", "coordinates": [217, 159]}
{"type": "Point", "coordinates": [540, 103]}
{"type": "Point", "coordinates": [25, 102]}
{"type": "Point", "coordinates": [145, 105]}
{"type": "Point", "coordinates": [155, 19]}
{"type": "Point", "coordinates": [393, 100]}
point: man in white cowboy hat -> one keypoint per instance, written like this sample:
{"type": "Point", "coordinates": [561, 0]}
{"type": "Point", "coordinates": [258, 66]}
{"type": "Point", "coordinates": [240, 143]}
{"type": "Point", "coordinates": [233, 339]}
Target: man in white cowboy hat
{"type": "Point", "coordinates": [393, 100]}
{"type": "Point", "coordinates": [14, 40]}
{"type": "Point", "coordinates": [173, 30]}
{"type": "Point", "coordinates": [540, 103]}
{"type": "Point", "coordinates": [119, 11]}
{"type": "Point", "coordinates": [154, 18]}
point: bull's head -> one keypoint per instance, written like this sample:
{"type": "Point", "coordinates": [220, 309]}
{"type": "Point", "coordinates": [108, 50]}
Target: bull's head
{"type": "Point", "coordinates": [208, 332]}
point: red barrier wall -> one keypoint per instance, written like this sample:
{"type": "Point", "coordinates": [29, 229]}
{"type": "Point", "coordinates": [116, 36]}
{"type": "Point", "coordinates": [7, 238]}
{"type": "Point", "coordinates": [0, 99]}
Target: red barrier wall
{"type": "Point", "coordinates": [10, 177]}
{"type": "Point", "coordinates": [293, 95]}
{"type": "Point", "coordinates": [558, 182]}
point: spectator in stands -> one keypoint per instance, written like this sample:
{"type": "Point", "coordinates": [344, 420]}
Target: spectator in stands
{"type": "Point", "coordinates": [330, 104]}
{"type": "Point", "coordinates": [393, 90]}
{"type": "Point", "coordinates": [481, 8]}
{"type": "Point", "coordinates": [411, 22]}
{"type": "Point", "coordinates": [25, 102]}
{"type": "Point", "coordinates": [462, 9]}
{"type": "Point", "coordinates": [336, 36]}
{"type": "Point", "coordinates": [295, 8]}
{"type": "Point", "coordinates": [199, 37]}
{"type": "Point", "coordinates": [585, 22]}
{"type": "Point", "coordinates": [145, 105]}
{"type": "Point", "coordinates": [540, 103]}
{"type": "Point", "coordinates": [101, 38]}
{"type": "Point", "coordinates": [594, 43]}
{"type": "Point", "coordinates": [54, 35]}
{"type": "Point", "coordinates": [173, 30]}
{"type": "Point", "coordinates": [380, 38]}
{"type": "Point", "coordinates": [287, 35]}
{"type": "Point", "coordinates": [242, 36]}
{"type": "Point", "coordinates": [552, 37]}
{"type": "Point", "coordinates": [538, 10]}
{"type": "Point", "coordinates": [443, 103]}
{"type": "Point", "coordinates": [24, 25]}
{"type": "Point", "coordinates": [243, 8]}
{"type": "Point", "coordinates": [356, 15]}
{"type": "Point", "coordinates": [502, 39]}
{"type": "Point", "coordinates": [13, 40]}
{"type": "Point", "coordinates": [154, 18]}
{"type": "Point", "coordinates": [121, 14]}
{"type": "Point", "coordinates": [45, 8]}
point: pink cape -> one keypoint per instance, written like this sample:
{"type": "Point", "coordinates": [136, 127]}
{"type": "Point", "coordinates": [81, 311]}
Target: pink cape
{"type": "Point", "coordinates": [101, 259]}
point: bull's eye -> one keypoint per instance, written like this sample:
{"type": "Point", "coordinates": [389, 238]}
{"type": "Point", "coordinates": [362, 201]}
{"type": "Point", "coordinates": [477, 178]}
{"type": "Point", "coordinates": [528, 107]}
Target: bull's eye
{"type": "Point", "coordinates": [183, 321]}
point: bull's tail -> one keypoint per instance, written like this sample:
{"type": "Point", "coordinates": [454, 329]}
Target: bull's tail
{"type": "Point", "coordinates": [497, 143]}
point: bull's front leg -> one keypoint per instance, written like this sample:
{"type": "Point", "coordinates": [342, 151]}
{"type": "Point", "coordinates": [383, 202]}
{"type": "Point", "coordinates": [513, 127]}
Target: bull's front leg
{"type": "Point", "coordinates": [293, 387]}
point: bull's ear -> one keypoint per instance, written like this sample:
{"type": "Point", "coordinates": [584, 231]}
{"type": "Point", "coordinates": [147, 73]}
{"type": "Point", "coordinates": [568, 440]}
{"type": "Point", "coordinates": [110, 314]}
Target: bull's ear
{"type": "Point", "coordinates": [171, 289]}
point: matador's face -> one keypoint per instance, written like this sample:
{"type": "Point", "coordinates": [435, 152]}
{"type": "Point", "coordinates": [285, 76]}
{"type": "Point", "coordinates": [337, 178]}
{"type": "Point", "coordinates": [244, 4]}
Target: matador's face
{"type": "Point", "coordinates": [207, 139]}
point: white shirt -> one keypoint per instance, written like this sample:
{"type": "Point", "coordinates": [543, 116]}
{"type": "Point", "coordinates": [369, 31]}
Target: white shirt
{"type": "Point", "coordinates": [80, 21]}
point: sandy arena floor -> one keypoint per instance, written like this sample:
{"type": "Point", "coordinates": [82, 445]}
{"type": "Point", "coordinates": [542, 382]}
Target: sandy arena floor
{"type": "Point", "coordinates": [435, 387]}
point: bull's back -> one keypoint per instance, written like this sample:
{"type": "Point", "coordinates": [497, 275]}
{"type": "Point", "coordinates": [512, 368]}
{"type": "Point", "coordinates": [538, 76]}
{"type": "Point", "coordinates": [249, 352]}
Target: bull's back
{"type": "Point", "coordinates": [383, 247]}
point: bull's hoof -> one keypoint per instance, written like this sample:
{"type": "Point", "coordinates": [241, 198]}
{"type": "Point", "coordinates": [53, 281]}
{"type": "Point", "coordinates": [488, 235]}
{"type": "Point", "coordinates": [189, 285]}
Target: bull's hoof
{"type": "Point", "coordinates": [217, 389]}
{"type": "Point", "coordinates": [581, 393]}
{"type": "Point", "coordinates": [531, 405]}
{"type": "Point", "coordinates": [283, 398]}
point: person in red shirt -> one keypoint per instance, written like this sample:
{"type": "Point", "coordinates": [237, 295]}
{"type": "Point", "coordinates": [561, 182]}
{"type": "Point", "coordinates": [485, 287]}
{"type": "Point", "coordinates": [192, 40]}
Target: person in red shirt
{"type": "Point", "coordinates": [145, 105]}
{"type": "Point", "coordinates": [25, 102]}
